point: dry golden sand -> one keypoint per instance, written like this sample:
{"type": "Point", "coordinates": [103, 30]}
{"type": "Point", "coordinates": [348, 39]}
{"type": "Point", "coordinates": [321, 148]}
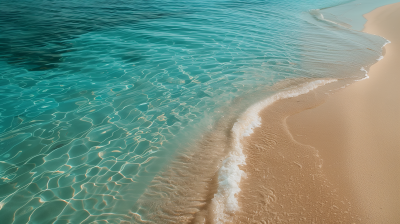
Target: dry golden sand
{"type": "Point", "coordinates": [331, 159]}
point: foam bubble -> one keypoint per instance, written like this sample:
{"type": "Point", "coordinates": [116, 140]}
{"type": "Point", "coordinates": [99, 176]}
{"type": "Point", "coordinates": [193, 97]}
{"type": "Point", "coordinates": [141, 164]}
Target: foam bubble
{"type": "Point", "coordinates": [317, 13]}
{"type": "Point", "coordinates": [230, 175]}
{"type": "Point", "coordinates": [380, 58]}
{"type": "Point", "coordinates": [386, 43]}
{"type": "Point", "coordinates": [366, 74]}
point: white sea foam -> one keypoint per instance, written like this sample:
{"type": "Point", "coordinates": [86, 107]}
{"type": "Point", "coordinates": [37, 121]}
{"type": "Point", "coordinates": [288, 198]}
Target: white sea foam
{"type": "Point", "coordinates": [366, 74]}
{"type": "Point", "coordinates": [319, 15]}
{"type": "Point", "coordinates": [229, 175]}
{"type": "Point", "coordinates": [386, 43]}
{"type": "Point", "coordinates": [380, 58]}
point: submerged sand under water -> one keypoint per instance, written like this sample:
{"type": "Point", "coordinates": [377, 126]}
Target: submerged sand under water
{"type": "Point", "coordinates": [261, 170]}
{"type": "Point", "coordinates": [357, 130]}
{"type": "Point", "coordinates": [285, 181]}
{"type": "Point", "coordinates": [336, 162]}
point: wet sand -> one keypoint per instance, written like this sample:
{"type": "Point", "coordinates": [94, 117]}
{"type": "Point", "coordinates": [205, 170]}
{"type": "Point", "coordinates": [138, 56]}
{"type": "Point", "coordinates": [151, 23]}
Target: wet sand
{"type": "Point", "coordinates": [333, 158]}
{"type": "Point", "coordinates": [357, 129]}
{"type": "Point", "coordinates": [285, 182]}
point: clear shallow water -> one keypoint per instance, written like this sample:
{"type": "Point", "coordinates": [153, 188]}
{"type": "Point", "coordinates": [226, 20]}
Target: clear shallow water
{"type": "Point", "coordinates": [97, 97]}
{"type": "Point", "coordinates": [349, 14]}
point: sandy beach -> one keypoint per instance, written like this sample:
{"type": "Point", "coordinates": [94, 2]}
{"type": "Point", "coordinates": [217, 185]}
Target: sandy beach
{"type": "Point", "coordinates": [331, 156]}
{"type": "Point", "coordinates": [201, 112]}
{"type": "Point", "coordinates": [357, 130]}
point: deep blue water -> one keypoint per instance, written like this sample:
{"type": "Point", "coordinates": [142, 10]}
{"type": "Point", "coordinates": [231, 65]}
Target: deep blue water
{"type": "Point", "coordinates": [97, 96]}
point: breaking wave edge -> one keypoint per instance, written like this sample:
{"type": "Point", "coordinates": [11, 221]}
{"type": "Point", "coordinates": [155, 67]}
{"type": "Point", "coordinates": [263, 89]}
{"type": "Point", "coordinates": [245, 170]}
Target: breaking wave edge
{"type": "Point", "coordinates": [225, 203]}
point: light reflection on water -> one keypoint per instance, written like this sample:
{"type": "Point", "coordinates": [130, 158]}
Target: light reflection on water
{"type": "Point", "coordinates": [97, 96]}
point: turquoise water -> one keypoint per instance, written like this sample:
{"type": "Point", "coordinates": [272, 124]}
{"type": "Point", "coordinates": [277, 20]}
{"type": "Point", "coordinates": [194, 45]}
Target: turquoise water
{"type": "Point", "coordinates": [98, 97]}
{"type": "Point", "coordinates": [349, 14]}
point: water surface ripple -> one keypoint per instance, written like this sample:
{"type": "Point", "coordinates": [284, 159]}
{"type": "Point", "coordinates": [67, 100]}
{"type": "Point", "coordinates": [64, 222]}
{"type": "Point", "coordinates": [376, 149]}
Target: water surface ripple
{"type": "Point", "coordinates": [97, 96]}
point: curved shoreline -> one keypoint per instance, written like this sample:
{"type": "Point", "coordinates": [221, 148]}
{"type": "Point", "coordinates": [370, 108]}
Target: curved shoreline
{"type": "Point", "coordinates": [333, 191]}
{"type": "Point", "coordinates": [281, 180]}
{"type": "Point", "coordinates": [285, 181]}
{"type": "Point", "coordinates": [230, 175]}
{"type": "Point", "coordinates": [356, 130]}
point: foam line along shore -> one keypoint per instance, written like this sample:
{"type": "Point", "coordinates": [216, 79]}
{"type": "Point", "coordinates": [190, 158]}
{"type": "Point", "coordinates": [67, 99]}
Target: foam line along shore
{"type": "Point", "coordinates": [320, 198]}
{"type": "Point", "coordinates": [136, 111]}
{"type": "Point", "coordinates": [356, 130]}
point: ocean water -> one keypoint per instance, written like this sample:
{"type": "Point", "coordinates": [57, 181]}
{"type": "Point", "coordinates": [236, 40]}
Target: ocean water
{"type": "Point", "coordinates": [349, 14]}
{"type": "Point", "coordinates": [122, 111]}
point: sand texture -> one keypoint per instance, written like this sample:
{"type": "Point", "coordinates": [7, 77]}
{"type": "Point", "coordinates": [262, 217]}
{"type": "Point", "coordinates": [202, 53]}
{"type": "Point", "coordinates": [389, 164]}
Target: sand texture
{"type": "Point", "coordinates": [357, 130]}
{"type": "Point", "coordinates": [285, 182]}
{"type": "Point", "coordinates": [331, 155]}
